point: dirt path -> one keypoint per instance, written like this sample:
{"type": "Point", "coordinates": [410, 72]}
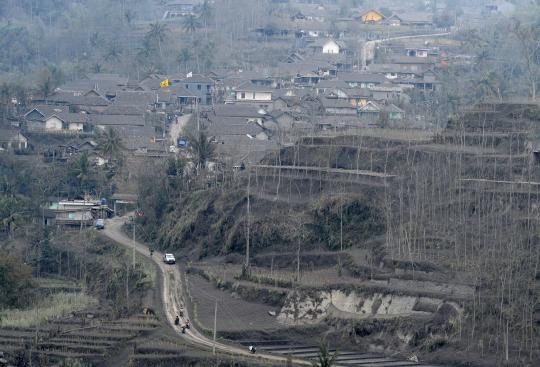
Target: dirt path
{"type": "Point", "coordinates": [177, 128]}
{"type": "Point", "coordinates": [173, 299]}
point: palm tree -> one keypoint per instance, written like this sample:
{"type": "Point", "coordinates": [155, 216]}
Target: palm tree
{"type": "Point", "coordinates": [111, 145]}
{"type": "Point", "coordinates": [158, 33]}
{"type": "Point", "coordinates": [113, 52]}
{"type": "Point", "coordinates": [205, 13]}
{"type": "Point", "coordinates": [184, 57]}
{"type": "Point", "coordinates": [202, 149]}
{"type": "Point", "coordinates": [326, 359]}
{"type": "Point", "coordinates": [191, 23]}
{"type": "Point", "coordinates": [80, 170]}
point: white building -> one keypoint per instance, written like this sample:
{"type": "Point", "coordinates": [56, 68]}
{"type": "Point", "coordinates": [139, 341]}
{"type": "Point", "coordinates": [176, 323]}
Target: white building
{"type": "Point", "coordinates": [253, 93]}
{"type": "Point", "coordinates": [331, 47]}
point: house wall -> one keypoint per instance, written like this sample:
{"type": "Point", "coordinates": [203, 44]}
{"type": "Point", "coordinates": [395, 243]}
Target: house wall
{"type": "Point", "coordinates": [53, 123]}
{"type": "Point", "coordinates": [395, 115]}
{"type": "Point", "coordinates": [371, 16]}
{"type": "Point", "coordinates": [340, 111]}
{"type": "Point", "coordinates": [253, 96]}
{"type": "Point", "coordinates": [76, 126]}
{"type": "Point", "coordinates": [330, 48]}
{"type": "Point", "coordinates": [358, 102]}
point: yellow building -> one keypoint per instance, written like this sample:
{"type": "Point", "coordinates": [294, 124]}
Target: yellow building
{"type": "Point", "coordinates": [371, 16]}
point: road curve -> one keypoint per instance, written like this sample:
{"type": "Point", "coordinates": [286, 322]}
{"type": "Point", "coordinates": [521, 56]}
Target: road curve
{"type": "Point", "coordinates": [370, 45]}
{"type": "Point", "coordinates": [173, 299]}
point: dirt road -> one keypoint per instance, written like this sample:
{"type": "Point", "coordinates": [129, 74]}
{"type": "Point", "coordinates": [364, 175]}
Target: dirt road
{"type": "Point", "coordinates": [173, 298]}
{"type": "Point", "coordinates": [177, 128]}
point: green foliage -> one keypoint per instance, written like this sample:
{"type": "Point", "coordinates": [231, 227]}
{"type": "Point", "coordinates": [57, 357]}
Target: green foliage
{"type": "Point", "coordinates": [325, 358]}
{"type": "Point", "coordinates": [15, 281]}
{"type": "Point", "coordinates": [82, 174]}
{"type": "Point", "coordinates": [191, 24]}
{"type": "Point", "coordinates": [47, 256]}
{"type": "Point", "coordinates": [202, 148]}
{"type": "Point", "coordinates": [111, 145]}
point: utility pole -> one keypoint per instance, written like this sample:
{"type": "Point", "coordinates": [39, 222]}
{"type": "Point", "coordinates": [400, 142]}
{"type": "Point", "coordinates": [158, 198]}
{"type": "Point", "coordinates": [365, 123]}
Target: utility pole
{"type": "Point", "coordinates": [248, 220]}
{"type": "Point", "coordinates": [341, 227]}
{"type": "Point", "coordinates": [127, 285]}
{"type": "Point", "coordinates": [197, 112]}
{"type": "Point", "coordinates": [215, 328]}
{"type": "Point", "coordinates": [298, 263]}
{"type": "Point", "coordinates": [133, 243]}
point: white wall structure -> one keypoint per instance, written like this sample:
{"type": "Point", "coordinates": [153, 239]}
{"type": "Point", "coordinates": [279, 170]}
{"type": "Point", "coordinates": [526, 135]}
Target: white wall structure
{"type": "Point", "coordinates": [53, 123]}
{"type": "Point", "coordinates": [330, 47]}
{"type": "Point", "coordinates": [254, 96]}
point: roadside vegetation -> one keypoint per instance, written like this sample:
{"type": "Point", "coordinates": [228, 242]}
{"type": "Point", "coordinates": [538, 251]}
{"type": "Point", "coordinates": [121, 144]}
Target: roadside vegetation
{"type": "Point", "coordinates": [52, 307]}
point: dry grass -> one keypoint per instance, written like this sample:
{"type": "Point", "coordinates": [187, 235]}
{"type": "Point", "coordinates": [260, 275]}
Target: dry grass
{"type": "Point", "coordinates": [50, 308]}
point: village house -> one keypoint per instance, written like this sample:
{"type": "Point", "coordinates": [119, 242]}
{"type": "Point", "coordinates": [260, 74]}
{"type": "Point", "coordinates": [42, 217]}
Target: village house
{"type": "Point", "coordinates": [359, 96]}
{"type": "Point", "coordinates": [336, 106]}
{"type": "Point", "coordinates": [75, 212]}
{"type": "Point", "coordinates": [199, 85]}
{"type": "Point", "coordinates": [178, 9]}
{"type": "Point", "coordinates": [327, 46]}
{"type": "Point", "coordinates": [378, 112]}
{"type": "Point", "coordinates": [142, 99]}
{"type": "Point", "coordinates": [67, 122]}
{"type": "Point", "coordinates": [249, 112]}
{"type": "Point", "coordinates": [102, 121]}
{"type": "Point", "coordinates": [88, 101]}
{"type": "Point", "coordinates": [411, 19]}
{"type": "Point", "coordinates": [12, 139]}
{"type": "Point", "coordinates": [326, 85]}
{"type": "Point", "coordinates": [362, 80]}
{"type": "Point", "coordinates": [307, 30]}
{"type": "Point", "coordinates": [250, 93]}
{"type": "Point", "coordinates": [371, 16]}
{"type": "Point", "coordinates": [393, 71]}
{"type": "Point", "coordinates": [417, 52]}
{"type": "Point", "coordinates": [102, 84]}
{"type": "Point", "coordinates": [387, 91]}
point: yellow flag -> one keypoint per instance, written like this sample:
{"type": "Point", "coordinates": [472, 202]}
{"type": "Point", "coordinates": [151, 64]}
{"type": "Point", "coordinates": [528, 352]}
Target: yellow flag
{"type": "Point", "coordinates": [164, 83]}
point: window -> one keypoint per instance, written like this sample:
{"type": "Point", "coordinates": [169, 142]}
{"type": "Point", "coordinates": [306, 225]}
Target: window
{"type": "Point", "coordinates": [198, 87]}
{"type": "Point", "coordinates": [187, 86]}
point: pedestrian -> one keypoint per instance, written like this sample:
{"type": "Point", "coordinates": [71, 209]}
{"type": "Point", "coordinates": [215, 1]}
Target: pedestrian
{"type": "Point", "coordinates": [177, 320]}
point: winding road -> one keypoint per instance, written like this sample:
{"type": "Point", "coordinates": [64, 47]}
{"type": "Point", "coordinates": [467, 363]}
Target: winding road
{"type": "Point", "coordinates": [173, 298]}
{"type": "Point", "coordinates": [368, 51]}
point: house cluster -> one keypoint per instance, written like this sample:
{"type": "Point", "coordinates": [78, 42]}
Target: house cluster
{"type": "Point", "coordinates": [139, 111]}
{"type": "Point", "coordinates": [75, 212]}
{"type": "Point", "coordinates": [334, 78]}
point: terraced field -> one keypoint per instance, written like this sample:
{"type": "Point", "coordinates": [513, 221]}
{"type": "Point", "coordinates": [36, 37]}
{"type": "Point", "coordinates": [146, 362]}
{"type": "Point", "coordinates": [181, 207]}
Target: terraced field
{"type": "Point", "coordinates": [82, 336]}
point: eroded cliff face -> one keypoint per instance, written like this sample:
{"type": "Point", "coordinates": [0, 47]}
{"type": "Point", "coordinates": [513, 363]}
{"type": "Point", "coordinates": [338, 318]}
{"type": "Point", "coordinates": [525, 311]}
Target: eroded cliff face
{"type": "Point", "coordinates": [310, 308]}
